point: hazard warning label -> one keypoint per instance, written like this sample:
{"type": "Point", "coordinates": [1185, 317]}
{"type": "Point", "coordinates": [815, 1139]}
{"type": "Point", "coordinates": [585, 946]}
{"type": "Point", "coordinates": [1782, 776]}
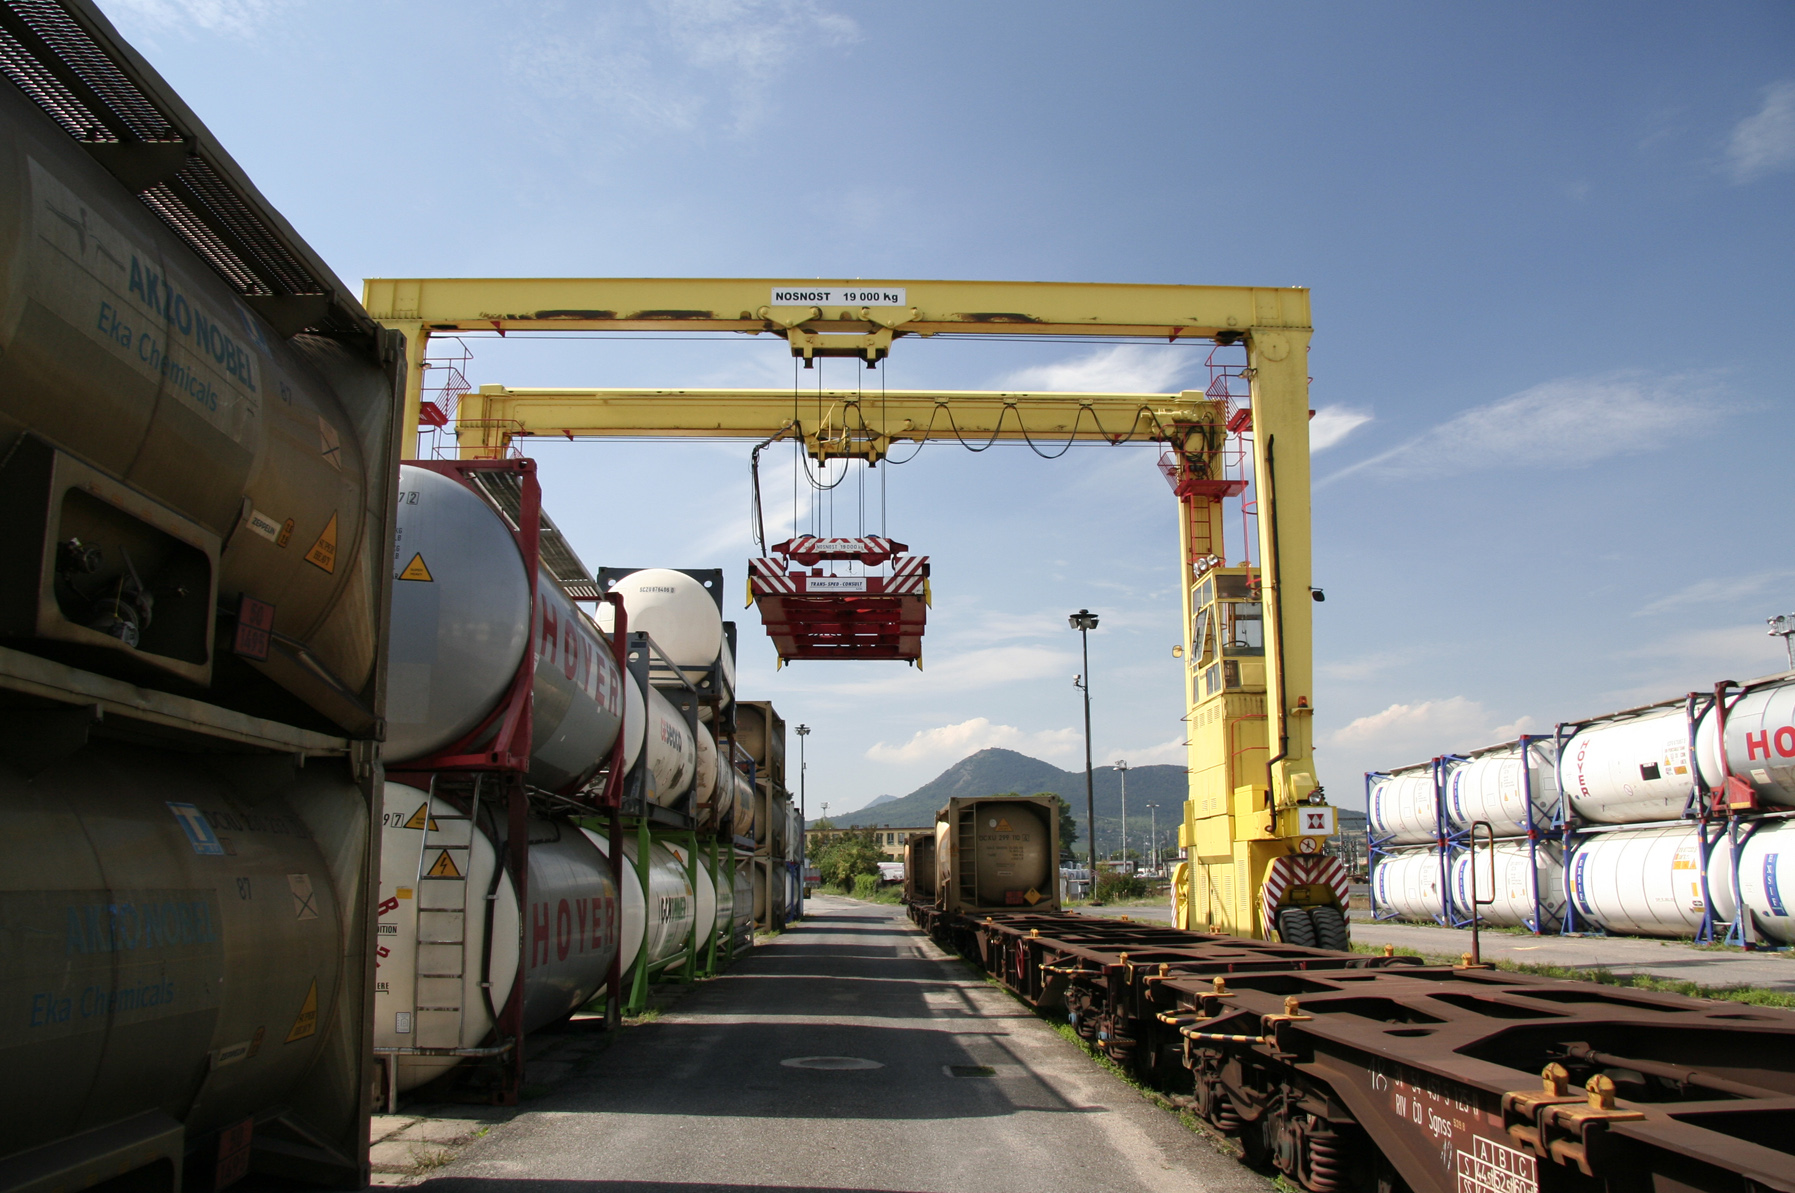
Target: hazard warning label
{"type": "Point", "coordinates": [304, 897]}
{"type": "Point", "coordinates": [307, 1022]}
{"type": "Point", "coordinates": [417, 820]}
{"type": "Point", "coordinates": [324, 552]}
{"type": "Point", "coordinates": [417, 570]}
{"type": "Point", "coordinates": [443, 867]}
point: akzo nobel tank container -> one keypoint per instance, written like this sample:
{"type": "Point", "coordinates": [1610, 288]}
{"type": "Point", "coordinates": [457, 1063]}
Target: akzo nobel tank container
{"type": "Point", "coordinates": [1515, 878]}
{"type": "Point", "coordinates": [1403, 807]}
{"type": "Point", "coordinates": [994, 852]}
{"type": "Point", "coordinates": [197, 454]}
{"type": "Point", "coordinates": [1406, 883]}
{"type": "Point", "coordinates": [1642, 882]}
{"type": "Point", "coordinates": [461, 623]}
{"type": "Point", "coordinates": [1493, 786]}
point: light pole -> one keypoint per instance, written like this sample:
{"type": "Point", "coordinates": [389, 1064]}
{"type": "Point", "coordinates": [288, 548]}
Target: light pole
{"type": "Point", "coordinates": [1783, 626]}
{"type": "Point", "coordinates": [1153, 810]}
{"type": "Point", "coordinates": [1084, 621]}
{"type": "Point", "coordinates": [1122, 766]}
{"type": "Point", "coordinates": [803, 845]}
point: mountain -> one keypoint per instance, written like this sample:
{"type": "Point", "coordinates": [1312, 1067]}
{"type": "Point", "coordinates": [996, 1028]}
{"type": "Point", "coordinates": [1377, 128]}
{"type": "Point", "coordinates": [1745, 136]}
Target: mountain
{"type": "Point", "coordinates": [991, 772]}
{"type": "Point", "coordinates": [880, 801]}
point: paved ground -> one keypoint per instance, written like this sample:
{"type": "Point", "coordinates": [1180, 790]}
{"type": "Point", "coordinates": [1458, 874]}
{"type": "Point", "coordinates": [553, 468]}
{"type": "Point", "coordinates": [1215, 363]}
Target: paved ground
{"type": "Point", "coordinates": [722, 1092]}
{"type": "Point", "coordinates": [1620, 954]}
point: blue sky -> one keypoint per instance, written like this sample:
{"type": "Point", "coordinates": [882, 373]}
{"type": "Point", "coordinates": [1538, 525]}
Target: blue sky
{"type": "Point", "coordinates": [1549, 248]}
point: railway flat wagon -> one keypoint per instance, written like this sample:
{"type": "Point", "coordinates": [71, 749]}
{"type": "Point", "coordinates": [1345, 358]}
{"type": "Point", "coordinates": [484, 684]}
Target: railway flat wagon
{"type": "Point", "coordinates": [1378, 1074]}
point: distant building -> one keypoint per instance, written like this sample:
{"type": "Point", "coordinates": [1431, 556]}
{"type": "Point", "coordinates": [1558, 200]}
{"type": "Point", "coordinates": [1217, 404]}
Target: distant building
{"type": "Point", "coordinates": [889, 840]}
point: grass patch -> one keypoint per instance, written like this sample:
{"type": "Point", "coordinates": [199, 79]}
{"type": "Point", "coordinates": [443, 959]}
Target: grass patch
{"type": "Point", "coordinates": [889, 895]}
{"type": "Point", "coordinates": [428, 1161]}
{"type": "Point", "coordinates": [1758, 996]}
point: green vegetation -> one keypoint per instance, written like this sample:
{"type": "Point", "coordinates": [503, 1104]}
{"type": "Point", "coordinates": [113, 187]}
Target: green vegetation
{"type": "Point", "coordinates": [847, 858]}
{"type": "Point", "coordinates": [1754, 995]}
{"type": "Point", "coordinates": [1113, 887]}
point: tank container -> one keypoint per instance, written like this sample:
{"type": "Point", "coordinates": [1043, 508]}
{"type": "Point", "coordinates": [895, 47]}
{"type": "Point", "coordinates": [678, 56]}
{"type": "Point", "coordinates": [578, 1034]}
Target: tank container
{"type": "Point", "coordinates": [1766, 879]}
{"type": "Point", "coordinates": [1407, 882]}
{"type": "Point", "coordinates": [461, 623]}
{"type": "Point", "coordinates": [1493, 787]}
{"type": "Point", "coordinates": [175, 929]}
{"type": "Point", "coordinates": [672, 749]}
{"type": "Point", "coordinates": [674, 609]}
{"type": "Point", "coordinates": [760, 730]}
{"type": "Point", "coordinates": [919, 868]}
{"type": "Point", "coordinates": [998, 853]}
{"type": "Point", "coordinates": [1630, 770]}
{"type": "Point", "coordinates": [1403, 807]}
{"type": "Point", "coordinates": [197, 454]}
{"type": "Point", "coordinates": [1640, 882]}
{"type": "Point", "coordinates": [1514, 875]}
{"type": "Point", "coordinates": [1760, 742]}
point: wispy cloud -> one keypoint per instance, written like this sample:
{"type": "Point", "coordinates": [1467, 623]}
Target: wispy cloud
{"type": "Point", "coordinates": [950, 743]}
{"type": "Point", "coordinates": [246, 19]}
{"type": "Point", "coordinates": [669, 65]}
{"type": "Point", "coordinates": [1721, 591]}
{"type": "Point", "coordinates": [1560, 424]}
{"type": "Point", "coordinates": [966, 671]}
{"type": "Point", "coordinates": [1332, 424]}
{"type": "Point", "coordinates": [1122, 369]}
{"type": "Point", "coordinates": [1764, 142]}
{"type": "Point", "coordinates": [1172, 752]}
{"type": "Point", "coordinates": [1405, 733]}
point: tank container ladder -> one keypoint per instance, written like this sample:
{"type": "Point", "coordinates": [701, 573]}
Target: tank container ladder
{"type": "Point", "coordinates": [967, 833]}
{"type": "Point", "coordinates": [439, 963]}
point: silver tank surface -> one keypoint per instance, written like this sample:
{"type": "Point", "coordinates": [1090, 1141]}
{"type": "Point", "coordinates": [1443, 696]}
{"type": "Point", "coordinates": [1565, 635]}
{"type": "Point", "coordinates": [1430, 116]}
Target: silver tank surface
{"type": "Point", "coordinates": [461, 622]}
{"type": "Point", "coordinates": [173, 941]}
{"type": "Point", "coordinates": [121, 347]}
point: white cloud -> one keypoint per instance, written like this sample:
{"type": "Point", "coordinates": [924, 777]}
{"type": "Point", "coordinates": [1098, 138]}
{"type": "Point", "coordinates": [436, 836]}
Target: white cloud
{"type": "Point", "coordinates": [1407, 733]}
{"type": "Point", "coordinates": [1559, 424]}
{"type": "Point", "coordinates": [1764, 142]}
{"type": "Point", "coordinates": [1173, 752]}
{"type": "Point", "coordinates": [1331, 424]}
{"type": "Point", "coordinates": [235, 18]}
{"type": "Point", "coordinates": [953, 742]}
{"type": "Point", "coordinates": [1122, 369]}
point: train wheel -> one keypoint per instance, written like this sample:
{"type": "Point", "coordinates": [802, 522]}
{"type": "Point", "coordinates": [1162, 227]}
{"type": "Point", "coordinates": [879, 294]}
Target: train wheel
{"type": "Point", "coordinates": [1330, 929]}
{"type": "Point", "coordinates": [1295, 927]}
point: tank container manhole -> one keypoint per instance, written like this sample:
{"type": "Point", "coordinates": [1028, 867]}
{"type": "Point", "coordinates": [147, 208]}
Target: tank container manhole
{"type": "Point", "coordinates": [837, 1063]}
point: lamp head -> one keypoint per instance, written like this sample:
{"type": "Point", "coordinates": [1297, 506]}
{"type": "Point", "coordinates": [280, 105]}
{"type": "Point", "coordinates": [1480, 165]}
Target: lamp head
{"type": "Point", "coordinates": [1084, 619]}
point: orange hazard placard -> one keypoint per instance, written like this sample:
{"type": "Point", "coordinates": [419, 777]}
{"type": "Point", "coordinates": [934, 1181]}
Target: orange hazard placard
{"type": "Point", "coordinates": [417, 569]}
{"type": "Point", "coordinates": [324, 552]}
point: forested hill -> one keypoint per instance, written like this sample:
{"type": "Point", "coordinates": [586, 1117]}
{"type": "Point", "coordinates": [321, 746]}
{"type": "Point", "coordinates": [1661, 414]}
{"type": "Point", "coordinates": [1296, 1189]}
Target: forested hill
{"type": "Point", "coordinates": [990, 772]}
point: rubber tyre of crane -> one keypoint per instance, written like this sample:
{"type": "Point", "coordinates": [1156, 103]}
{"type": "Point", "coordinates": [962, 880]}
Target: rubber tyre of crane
{"type": "Point", "coordinates": [1295, 927]}
{"type": "Point", "coordinates": [1330, 929]}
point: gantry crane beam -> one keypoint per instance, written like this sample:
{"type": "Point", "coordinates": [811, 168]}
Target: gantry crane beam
{"type": "Point", "coordinates": [855, 318]}
{"type": "Point", "coordinates": [833, 423]}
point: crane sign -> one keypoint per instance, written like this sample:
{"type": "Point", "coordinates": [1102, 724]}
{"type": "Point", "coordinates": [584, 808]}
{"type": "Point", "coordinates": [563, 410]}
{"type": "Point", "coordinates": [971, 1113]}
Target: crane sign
{"type": "Point", "coordinates": [813, 613]}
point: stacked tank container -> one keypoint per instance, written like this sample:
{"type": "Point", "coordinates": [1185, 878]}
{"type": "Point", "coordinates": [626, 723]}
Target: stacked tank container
{"type": "Point", "coordinates": [1672, 819]}
{"type": "Point", "coordinates": [778, 825]}
{"type": "Point", "coordinates": [197, 452]}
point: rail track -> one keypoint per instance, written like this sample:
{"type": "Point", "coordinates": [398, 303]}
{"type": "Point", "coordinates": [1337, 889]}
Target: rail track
{"type": "Point", "coordinates": [1373, 1074]}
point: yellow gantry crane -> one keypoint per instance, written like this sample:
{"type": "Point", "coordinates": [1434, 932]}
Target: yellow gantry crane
{"type": "Point", "coordinates": [1255, 820]}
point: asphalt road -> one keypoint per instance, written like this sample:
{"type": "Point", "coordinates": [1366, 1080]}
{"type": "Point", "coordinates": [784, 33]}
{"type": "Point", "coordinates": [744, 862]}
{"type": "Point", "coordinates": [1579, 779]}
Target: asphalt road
{"type": "Point", "coordinates": [1619, 954]}
{"type": "Point", "coordinates": [848, 1054]}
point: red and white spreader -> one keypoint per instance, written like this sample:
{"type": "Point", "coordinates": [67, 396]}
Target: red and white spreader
{"type": "Point", "coordinates": [812, 613]}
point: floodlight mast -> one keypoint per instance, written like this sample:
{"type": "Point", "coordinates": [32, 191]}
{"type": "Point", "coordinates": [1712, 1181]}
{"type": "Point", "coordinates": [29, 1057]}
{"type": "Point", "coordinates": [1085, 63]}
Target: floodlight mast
{"type": "Point", "coordinates": [1248, 708]}
{"type": "Point", "coordinates": [1084, 621]}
